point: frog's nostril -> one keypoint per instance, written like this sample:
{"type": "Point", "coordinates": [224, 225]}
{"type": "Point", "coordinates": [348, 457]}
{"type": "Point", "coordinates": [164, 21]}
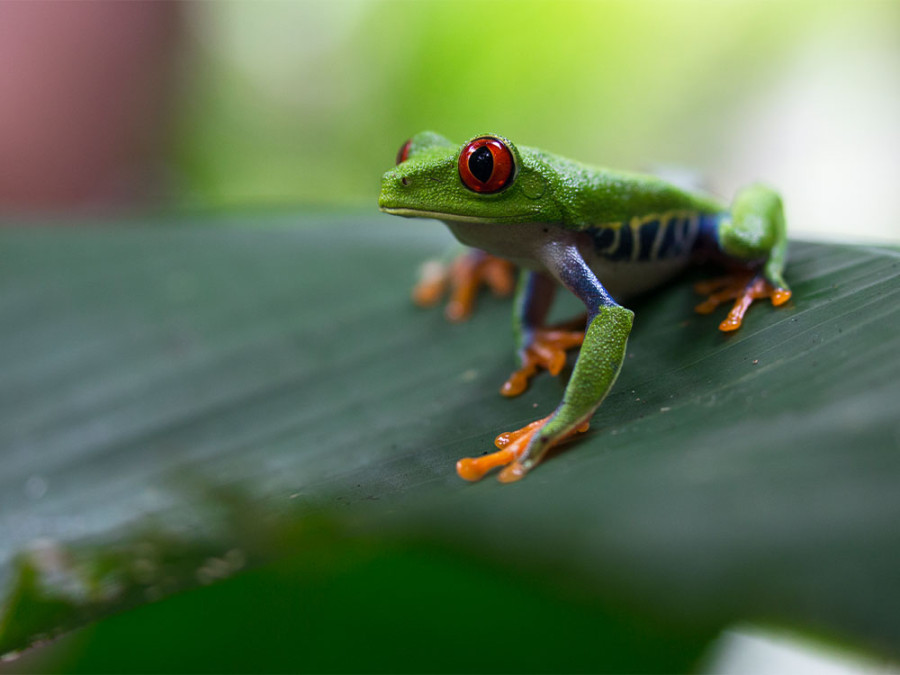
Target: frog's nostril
{"type": "Point", "coordinates": [404, 180]}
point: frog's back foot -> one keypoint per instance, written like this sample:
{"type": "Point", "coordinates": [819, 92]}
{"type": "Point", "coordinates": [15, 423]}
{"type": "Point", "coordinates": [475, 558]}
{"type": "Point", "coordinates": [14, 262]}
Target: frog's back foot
{"type": "Point", "coordinates": [743, 288]}
{"type": "Point", "coordinates": [512, 447]}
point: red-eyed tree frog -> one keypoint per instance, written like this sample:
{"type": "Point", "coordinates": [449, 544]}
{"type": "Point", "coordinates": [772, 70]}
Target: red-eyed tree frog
{"type": "Point", "coordinates": [604, 235]}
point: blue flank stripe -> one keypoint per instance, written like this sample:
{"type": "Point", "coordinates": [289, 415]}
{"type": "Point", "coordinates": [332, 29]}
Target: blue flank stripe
{"type": "Point", "coordinates": [708, 237]}
{"type": "Point", "coordinates": [680, 238]}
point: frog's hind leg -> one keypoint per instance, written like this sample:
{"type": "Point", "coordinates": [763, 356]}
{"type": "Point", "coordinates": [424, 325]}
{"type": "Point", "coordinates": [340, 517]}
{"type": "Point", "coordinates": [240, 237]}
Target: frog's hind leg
{"type": "Point", "coordinates": [512, 445]}
{"type": "Point", "coordinates": [755, 231]}
{"type": "Point", "coordinates": [596, 368]}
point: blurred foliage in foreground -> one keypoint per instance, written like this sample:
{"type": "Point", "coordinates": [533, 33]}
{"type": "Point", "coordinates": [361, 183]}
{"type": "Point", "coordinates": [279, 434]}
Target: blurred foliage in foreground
{"type": "Point", "coordinates": [745, 477]}
{"type": "Point", "coordinates": [333, 603]}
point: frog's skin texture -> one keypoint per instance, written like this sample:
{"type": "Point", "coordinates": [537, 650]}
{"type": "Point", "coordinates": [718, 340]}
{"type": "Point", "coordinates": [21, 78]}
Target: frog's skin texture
{"type": "Point", "coordinates": [603, 235]}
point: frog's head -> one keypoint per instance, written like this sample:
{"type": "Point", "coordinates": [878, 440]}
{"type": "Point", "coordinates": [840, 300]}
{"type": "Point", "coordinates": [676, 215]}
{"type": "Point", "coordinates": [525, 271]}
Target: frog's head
{"type": "Point", "coordinates": [485, 180]}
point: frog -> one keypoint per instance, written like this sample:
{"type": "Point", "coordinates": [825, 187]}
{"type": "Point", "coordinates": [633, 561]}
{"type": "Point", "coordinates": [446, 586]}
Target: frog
{"type": "Point", "coordinates": [607, 236]}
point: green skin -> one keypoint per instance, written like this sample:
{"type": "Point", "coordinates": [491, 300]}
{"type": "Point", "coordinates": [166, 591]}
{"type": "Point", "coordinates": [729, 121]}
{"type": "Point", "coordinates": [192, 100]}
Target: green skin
{"type": "Point", "coordinates": [542, 221]}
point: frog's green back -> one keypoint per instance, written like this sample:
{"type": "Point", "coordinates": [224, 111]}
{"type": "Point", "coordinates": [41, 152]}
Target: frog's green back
{"type": "Point", "coordinates": [589, 196]}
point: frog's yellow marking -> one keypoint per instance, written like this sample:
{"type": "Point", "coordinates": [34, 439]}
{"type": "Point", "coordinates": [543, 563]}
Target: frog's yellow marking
{"type": "Point", "coordinates": [636, 224]}
{"type": "Point", "coordinates": [660, 235]}
{"type": "Point", "coordinates": [686, 224]}
{"type": "Point", "coordinates": [674, 236]}
{"type": "Point", "coordinates": [617, 238]}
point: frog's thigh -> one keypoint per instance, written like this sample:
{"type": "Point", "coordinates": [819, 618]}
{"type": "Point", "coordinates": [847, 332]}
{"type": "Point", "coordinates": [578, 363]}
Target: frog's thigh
{"type": "Point", "coordinates": [756, 230]}
{"type": "Point", "coordinates": [756, 226]}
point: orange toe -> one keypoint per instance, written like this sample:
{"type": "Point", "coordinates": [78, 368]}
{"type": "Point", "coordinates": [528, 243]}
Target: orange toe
{"type": "Point", "coordinates": [512, 473]}
{"type": "Point", "coordinates": [744, 290]}
{"type": "Point", "coordinates": [432, 284]}
{"type": "Point", "coordinates": [474, 468]}
{"type": "Point", "coordinates": [780, 296]}
{"type": "Point", "coordinates": [547, 350]}
{"type": "Point", "coordinates": [499, 275]}
{"type": "Point", "coordinates": [467, 274]}
{"type": "Point", "coordinates": [507, 437]}
{"type": "Point", "coordinates": [513, 445]}
{"type": "Point", "coordinates": [464, 277]}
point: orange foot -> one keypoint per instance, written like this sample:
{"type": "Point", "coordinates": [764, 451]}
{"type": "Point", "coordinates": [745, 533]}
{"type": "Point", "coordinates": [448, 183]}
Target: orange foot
{"type": "Point", "coordinates": [547, 350]}
{"type": "Point", "coordinates": [464, 277]}
{"type": "Point", "coordinates": [512, 446]}
{"type": "Point", "coordinates": [744, 289]}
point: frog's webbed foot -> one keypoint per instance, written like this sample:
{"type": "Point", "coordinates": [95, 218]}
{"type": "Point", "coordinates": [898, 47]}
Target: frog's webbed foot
{"type": "Point", "coordinates": [512, 447]}
{"type": "Point", "coordinates": [464, 276]}
{"type": "Point", "coordinates": [743, 288]}
{"type": "Point", "coordinates": [547, 349]}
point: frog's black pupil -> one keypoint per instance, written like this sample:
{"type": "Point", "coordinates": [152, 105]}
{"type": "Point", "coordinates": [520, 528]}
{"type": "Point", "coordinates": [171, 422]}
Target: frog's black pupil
{"type": "Point", "coordinates": [481, 164]}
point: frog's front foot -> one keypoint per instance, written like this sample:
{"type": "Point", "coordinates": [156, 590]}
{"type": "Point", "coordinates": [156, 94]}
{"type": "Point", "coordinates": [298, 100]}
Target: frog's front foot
{"type": "Point", "coordinates": [464, 276]}
{"type": "Point", "coordinates": [513, 447]}
{"type": "Point", "coordinates": [547, 349]}
{"type": "Point", "coordinates": [743, 289]}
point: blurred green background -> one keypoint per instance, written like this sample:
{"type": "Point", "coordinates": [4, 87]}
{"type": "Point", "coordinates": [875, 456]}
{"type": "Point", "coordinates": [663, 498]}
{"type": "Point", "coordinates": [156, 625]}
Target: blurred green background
{"type": "Point", "coordinates": [308, 101]}
{"type": "Point", "coordinates": [287, 103]}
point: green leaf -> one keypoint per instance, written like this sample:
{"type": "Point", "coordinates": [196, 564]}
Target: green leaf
{"type": "Point", "coordinates": [154, 370]}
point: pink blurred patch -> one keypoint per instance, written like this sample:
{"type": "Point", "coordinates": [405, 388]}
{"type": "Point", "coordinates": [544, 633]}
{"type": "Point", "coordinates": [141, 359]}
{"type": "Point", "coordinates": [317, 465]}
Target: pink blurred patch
{"type": "Point", "coordinates": [85, 91]}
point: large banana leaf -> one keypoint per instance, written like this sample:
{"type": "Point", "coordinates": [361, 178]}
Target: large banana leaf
{"type": "Point", "coordinates": [206, 389]}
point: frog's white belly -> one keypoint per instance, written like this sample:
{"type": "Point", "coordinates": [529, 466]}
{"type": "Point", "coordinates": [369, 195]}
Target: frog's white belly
{"type": "Point", "coordinates": [525, 244]}
{"type": "Point", "coordinates": [625, 279]}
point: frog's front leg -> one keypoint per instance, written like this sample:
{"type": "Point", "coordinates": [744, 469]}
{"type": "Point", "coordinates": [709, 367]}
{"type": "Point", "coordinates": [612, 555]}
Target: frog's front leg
{"type": "Point", "coordinates": [596, 370]}
{"type": "Point", "coordinates": [754, 231]}
{"type": "Point", "coordinates": [537, 345]}
{"type": "Point", "coordinates": [464, 277]}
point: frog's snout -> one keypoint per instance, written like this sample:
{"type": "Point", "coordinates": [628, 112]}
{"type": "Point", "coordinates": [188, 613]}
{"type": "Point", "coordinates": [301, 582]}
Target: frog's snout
{"type": "Point", "coordinates": [394, 184]}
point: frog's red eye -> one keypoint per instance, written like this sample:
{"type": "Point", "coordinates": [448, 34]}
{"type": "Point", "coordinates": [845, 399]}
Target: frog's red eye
{"type": "Point", "coordinates": [403, 152]}
{"type": "Point", "coordinates": [486, 165]}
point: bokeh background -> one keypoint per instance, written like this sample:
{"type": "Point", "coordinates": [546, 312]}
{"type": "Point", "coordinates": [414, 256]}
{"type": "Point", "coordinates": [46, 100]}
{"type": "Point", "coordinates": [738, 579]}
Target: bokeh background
{"type": "Point", "coordinates": [243, 105]}
{"type": "Point", "coordinates": [111, 110]}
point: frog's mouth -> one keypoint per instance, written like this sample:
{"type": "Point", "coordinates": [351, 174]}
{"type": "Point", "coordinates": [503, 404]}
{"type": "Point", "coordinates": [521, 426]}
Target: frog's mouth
{"type": "Point", "coordinates": [439, 215]}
